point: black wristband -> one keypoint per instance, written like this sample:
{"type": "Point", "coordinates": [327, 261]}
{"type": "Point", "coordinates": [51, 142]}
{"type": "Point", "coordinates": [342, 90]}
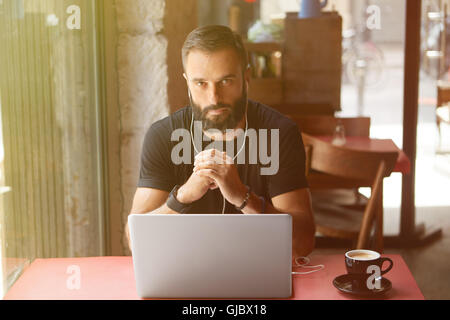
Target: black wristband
{"type": "Point", "coordinates": [173, 203]}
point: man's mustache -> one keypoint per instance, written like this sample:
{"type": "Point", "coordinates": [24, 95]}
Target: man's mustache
{"type": "Point", "coordinates": [216, 107]}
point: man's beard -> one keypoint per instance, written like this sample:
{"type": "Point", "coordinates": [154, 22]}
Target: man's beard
{"type": "Point", "coordinates": [227, 120]}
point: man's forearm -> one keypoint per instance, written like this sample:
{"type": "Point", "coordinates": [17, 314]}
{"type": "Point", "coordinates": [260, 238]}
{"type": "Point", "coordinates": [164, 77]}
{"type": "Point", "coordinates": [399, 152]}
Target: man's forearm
{"type": "Point", "coordinates": [254, 206]}
{"type": "Point", "coordinates": [303, 235]}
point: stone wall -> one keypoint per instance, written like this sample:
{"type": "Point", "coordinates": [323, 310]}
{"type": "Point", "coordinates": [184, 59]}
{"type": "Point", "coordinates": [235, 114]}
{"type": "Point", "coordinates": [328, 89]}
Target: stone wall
{"type": "Point", "coordinates": [142, 83]}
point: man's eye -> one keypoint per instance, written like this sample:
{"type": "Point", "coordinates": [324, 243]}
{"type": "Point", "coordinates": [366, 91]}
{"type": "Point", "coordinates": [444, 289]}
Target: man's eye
{"type": "Point", "coordinates": [226, 82]}
{"type": "Point", "coordinates": [200, 83]}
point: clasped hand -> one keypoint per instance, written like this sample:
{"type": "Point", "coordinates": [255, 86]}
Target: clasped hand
{"type": "Point", "coordinates": [214, 169]}
{"type": "Point", "coordinates": [220, 169]}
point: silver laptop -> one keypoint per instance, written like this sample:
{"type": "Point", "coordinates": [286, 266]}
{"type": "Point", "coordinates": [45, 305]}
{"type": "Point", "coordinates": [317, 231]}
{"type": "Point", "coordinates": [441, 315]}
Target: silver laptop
{"type": "Point", "coordinates": [212, 255]}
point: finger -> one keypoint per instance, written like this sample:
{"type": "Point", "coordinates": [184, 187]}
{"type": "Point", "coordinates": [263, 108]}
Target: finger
{"type": "Point", "coordinates": [228, 159]}
{"type": "Point", "coordinates": [205, 166]}
{"type": "Point", "coordinates": [204, 163]}
{"type": "Point", "coordinates": [213, 186]}
{"type": "Point", "coordinates": [210, 173]}
{"type": "Point", "coordinates": [208, 181]}
{"type": "Point", "coordinates": [222, 158]}
{"type": "Point", "coordinates": [210, 153]}
{"type": "Point", "coordinates": [217, 159]}
{"type": "Point", "coordinates": [204, 154]}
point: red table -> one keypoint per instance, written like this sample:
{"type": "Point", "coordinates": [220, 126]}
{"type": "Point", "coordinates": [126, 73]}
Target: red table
{"type": "Point", "coordinates": [403, 164]}
{"type": "Point", "coordinates": [112, 278]}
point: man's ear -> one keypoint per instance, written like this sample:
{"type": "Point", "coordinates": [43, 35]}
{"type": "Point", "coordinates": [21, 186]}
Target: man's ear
{"type": "Point", "coordinates": [186, 78]}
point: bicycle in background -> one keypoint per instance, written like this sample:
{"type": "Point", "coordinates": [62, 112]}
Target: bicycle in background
{"type": "Point", "coordinates": [435, 39]}
{"type": "Point", "coordinates": [362, 59]}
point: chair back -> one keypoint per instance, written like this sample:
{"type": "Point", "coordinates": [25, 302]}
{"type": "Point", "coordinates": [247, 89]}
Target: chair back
{"type": "Point", "coordinates": [443, 93]}
{"type": "Point", "coordinates": [325, 125]}
{"type": "Point", "coordinates": [346, 163]}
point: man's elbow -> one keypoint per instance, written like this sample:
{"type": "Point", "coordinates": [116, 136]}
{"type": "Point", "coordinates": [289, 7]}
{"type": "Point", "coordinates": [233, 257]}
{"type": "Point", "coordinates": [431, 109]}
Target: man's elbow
{"type": "Point", "coordinates": [310, 241]}
{"type": "Point", "coordinates": [304, 237]}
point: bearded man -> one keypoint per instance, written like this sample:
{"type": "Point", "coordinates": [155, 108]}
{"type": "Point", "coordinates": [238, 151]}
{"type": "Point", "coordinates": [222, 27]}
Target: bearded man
{"type": "Point", "coordinates": [213, 180]}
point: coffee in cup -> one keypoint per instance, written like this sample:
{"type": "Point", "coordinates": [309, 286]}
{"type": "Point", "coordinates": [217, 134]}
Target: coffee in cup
{"type": "Point", "coordinates": [363, 256]}
{"type": "Point", "coordinates": [366, 268]}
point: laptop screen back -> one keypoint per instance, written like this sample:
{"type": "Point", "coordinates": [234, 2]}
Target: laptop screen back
{"type": "Point", "coordinates": [212, 256]}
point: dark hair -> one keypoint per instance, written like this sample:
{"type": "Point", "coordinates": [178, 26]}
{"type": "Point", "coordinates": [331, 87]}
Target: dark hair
{"type": "Point", "coordinates": [213, 38]}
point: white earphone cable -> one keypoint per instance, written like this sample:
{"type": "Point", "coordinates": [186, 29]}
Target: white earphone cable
{"type": "Point", "coordinates": [305, 265]}
{"type": "Point", "coordinates": [240, 150]}
{"type": "Point", "coordinates": [237, 154]}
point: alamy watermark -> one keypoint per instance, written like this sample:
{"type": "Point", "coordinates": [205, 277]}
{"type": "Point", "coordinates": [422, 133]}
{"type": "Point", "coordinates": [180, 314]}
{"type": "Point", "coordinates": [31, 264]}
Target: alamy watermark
{"type": "Point", "coordinates": [374, 20]}
{"type": "Point", "coordinates": [374, 281]}
{"type": "Point", "coordinates": [73, 282]}
{"type": "Point", "coordinates": [73, 21]}
{"type": "Point", "coordinates": [257, 144]}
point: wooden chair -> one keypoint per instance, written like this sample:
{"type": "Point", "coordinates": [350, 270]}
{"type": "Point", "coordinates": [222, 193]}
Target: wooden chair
{"type": "Point", "coordinates": [351, 166]}
{"type": "Point", "coordinates": [442, 107]}
{"type": "Point", "coordinates": [325, 125]}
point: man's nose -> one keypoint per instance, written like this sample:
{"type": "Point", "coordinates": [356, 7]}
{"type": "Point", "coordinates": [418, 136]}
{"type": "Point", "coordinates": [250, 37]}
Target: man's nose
{"type": "Point", "coordinates": [213, 94]}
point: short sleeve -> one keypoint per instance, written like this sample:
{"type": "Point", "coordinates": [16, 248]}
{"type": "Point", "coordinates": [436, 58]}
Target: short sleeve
{"type": "Point", "coordinates": [291, 171]}
{"type": "Point", "coordinates": [156, 168]}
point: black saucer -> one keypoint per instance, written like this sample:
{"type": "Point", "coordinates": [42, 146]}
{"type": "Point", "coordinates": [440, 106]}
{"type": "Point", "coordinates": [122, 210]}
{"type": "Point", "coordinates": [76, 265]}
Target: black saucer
{"type": "Point", "coordinates": [344, 284]}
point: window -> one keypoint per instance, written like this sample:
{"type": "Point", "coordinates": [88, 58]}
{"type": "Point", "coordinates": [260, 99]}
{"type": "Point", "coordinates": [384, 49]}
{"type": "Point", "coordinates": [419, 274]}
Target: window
{"type": "Point", "coordinates": [51, 196]}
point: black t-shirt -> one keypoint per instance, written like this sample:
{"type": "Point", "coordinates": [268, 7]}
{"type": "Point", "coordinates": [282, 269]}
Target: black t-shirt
{"type": "Point", "coordinates": [158, 171]}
